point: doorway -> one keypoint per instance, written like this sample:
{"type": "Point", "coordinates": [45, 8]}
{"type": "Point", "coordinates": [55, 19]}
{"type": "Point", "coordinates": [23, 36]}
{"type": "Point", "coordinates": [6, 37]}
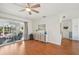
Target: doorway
{"type": "Point", "coordinates": [66, 31]}
{"type": "Point", "coordinates": [10, 31]}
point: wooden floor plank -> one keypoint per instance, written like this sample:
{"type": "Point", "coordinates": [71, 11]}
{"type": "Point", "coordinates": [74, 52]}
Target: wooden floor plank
{"type": "Point", "coordinates": [33, 47]}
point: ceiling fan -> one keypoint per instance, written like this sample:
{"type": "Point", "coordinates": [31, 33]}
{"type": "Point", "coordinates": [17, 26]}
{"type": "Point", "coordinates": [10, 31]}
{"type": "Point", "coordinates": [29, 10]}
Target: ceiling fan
{"type": "Point", "coordinates": [31, 8]}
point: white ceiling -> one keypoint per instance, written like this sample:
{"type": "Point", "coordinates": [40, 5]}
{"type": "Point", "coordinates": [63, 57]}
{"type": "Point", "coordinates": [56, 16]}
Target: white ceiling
{"type": "Point", "coordinates": [70, 10]}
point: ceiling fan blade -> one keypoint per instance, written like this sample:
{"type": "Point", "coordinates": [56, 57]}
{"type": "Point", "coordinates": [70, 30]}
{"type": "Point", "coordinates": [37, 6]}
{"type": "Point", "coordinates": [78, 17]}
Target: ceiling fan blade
{"type": "Point", "coordinates": [30, 13]}
{"type": "Point", "coordinates": [35, 11]}
{"type": "Point", "coordinates": [22, 10]}
{"type": "Point", "coordinates": [36, 6]}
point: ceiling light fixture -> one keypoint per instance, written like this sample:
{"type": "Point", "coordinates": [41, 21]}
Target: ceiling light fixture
{"type": "Point", "coordinates": [28, 9]}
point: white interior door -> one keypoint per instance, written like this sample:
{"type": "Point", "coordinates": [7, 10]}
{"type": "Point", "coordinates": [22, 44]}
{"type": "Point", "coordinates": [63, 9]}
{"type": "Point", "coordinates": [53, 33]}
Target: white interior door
{"type": "Point", "coordinates": [75, 29]}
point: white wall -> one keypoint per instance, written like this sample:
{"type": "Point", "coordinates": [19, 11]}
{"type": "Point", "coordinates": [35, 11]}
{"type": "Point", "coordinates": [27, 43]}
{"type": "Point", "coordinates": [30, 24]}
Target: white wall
{"type": "Point", "coordinates": [75, 29]}
{"type": "Point", "coordinates": [52, 28]}
{"type": "Point", "coordinates": [66, 31]}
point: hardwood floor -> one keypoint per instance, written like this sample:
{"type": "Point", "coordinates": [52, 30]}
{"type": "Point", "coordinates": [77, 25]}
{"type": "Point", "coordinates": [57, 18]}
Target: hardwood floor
{"type": "Point", "coordinates": [33, 47]}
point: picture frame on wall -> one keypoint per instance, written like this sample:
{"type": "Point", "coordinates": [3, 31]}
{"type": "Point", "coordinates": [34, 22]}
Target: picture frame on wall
{"type": "Point", "coordinates": [41, 27]}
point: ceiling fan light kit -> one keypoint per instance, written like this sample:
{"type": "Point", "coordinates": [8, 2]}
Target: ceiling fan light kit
{"type": "Point", "coordinates": [27, 9]}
